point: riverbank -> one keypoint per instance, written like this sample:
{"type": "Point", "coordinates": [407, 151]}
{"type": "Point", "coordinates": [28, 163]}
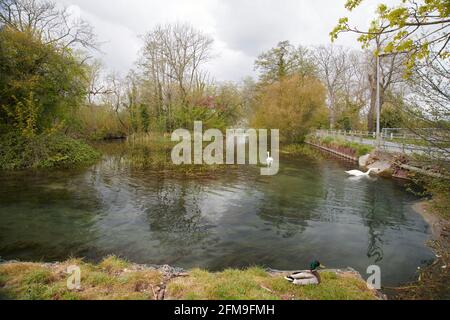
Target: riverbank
{"type": "Point", "coordinates": [433, 282]}
{"type": "Point", "coordinates": [116, 279]}
{"type": "Point", "coordinates": [51, 150]}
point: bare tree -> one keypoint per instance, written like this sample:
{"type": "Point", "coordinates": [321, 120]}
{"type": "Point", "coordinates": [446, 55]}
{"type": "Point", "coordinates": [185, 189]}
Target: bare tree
{"type": "Point", "coordinates": [97, 85]}
{"type": "Point", "coordinates": [45, 20]}
{"type": "Point", "coordinates": [175, 54]}
{"type": "Point", "coordinates": [116, 96]}
{"type": "Point", "coordinates": [172, 61]}
{"type": "Point", "coordinates": [333, 66]}
{"type": "Point", "coordinates": [357, 82]}
{"type": "Point", "coordinates": [344, 74]}
{"type": "Point", "coordinates": [428, 103]}
{"type": "Point", "coordinates": [392, 70]}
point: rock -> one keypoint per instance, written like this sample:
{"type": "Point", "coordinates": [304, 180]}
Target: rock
{"type": "Point", "coordinates": [364, 160]}
{"type": "Point", "coordinates": [384, 167]}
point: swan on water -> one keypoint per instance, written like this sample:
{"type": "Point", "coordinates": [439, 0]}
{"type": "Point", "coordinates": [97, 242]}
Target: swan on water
{"type": "Point", "coordinates": [269, 160]}
{"type": "Point", "coordinates": [357, 173]}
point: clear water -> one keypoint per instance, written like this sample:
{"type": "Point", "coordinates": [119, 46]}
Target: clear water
{"type": "Point", "coordinates": [310, 210]}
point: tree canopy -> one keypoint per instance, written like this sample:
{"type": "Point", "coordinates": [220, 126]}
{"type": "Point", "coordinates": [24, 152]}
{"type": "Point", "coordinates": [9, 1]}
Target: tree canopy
{"type": "Point", "coordinates": [284, 60]}
{"type": "Point", "coordinates": [39, 83]}
{"type": "Point", "coordinates": [418, 28]}
{"type": "Point", "coordinates": [294, 105]}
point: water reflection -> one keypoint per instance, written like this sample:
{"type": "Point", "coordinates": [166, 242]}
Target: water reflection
{"type": "Point", "coordinates": [46, 217]}
{"type": "Point", "coordinates": [309, 210]}
{"type": "Point", "coordinates": [175, 215]}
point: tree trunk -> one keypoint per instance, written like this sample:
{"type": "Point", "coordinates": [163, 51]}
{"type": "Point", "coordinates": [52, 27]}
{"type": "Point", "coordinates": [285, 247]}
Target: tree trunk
{"type": "Point", "coordinates": [373, 104]}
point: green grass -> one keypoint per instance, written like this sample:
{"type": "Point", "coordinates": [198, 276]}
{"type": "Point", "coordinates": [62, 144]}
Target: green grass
{"type": "Point", "coordinates": [301, 150]}
{"type": "Point", "coordinates": [108, 280]}
{"type": "Point", "coordinates": [337, 143]}
{"type": "Point", "coordinates": [116, 279]}
{"type": "Point", "coordinates": [256, 284]}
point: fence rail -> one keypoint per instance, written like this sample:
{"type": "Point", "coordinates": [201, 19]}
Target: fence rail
{"type": "Point", "coordinates": [391, 140]}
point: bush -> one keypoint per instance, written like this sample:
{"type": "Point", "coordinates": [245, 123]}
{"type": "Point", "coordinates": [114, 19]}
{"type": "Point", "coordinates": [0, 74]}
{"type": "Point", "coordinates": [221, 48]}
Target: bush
{"type": "Point", "coordinates": [293, 105]}
{"type": "Point", "coordinates": [437, 190]}
{"type": "Point", "coordinates": [39, 82]}
{"type": "Point", "coordinates": [49, 150]}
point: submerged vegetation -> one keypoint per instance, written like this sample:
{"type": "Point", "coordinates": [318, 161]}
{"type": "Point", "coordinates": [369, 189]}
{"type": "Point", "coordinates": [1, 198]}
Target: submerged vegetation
{"type": "Point", "coordinates": [153, 153]}
{"type": "Point", "coordinates": [116, 279]}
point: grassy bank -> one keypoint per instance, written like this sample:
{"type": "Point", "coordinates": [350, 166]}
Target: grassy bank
{"type": "Point", "coordinates": [107, 280]}
{"type": "Point", "coordinates": [44, 151]}
{"type": "Point", "coordinates": [301, 150]}
{"type": "Point", "coordinates": [116, 279]}
{"type": "Point", "coordinates": [256, 284]}
{"type": "Point", "coordinates": [434, 280]}
{"type": "Point", "coordinates": [350, 148]}
{"type": "Point", "coordinates": [438, 193]}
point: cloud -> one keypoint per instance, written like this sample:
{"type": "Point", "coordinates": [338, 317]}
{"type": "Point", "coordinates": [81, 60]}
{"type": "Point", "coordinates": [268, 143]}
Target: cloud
{"type": "Point", "coordinates": [242, 29]}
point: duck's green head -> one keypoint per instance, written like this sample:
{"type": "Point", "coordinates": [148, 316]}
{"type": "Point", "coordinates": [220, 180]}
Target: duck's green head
{"type": "Point", "coordinates": [315, 265]}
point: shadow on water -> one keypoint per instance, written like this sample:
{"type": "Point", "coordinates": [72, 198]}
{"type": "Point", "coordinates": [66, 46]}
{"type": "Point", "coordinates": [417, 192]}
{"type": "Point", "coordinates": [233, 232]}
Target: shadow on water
{"type": "Point", "coordinates": [311, 209]}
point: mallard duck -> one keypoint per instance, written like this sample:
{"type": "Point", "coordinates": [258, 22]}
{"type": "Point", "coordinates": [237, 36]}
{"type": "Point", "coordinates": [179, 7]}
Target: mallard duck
{"type": "Point", "coordinates": [304, 278]}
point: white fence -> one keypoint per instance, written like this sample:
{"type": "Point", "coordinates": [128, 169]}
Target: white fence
{"type": "Point", "coordinates": [391, 140]}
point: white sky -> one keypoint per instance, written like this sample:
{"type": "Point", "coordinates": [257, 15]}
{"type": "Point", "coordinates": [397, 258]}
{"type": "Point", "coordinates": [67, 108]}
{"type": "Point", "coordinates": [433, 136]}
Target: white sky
{"type": "Point", "coordinates": [242, 29]}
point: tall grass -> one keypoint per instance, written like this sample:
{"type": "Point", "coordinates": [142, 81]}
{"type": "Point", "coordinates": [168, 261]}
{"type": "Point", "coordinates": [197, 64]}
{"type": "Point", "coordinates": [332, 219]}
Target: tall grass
{"type": "Point", "coordinates": [100, 122]}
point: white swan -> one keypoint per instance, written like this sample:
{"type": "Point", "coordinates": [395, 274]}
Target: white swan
{"type": "Point", "coordinates": [357, 173]}
{"type": "Point", "coordinates": [269, 160]}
